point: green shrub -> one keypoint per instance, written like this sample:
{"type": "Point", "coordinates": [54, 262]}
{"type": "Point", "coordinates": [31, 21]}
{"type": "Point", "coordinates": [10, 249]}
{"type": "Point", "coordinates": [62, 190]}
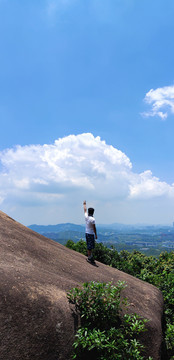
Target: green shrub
{"type": "Point", "coordinates": [170, 337]}
{"type": "Point", "coordinates": [105, 333]}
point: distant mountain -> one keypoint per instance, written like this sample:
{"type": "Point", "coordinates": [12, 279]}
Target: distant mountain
{"type": "Point", "coordinates": [115, 226]}
{"type": "Point", "coordinates": [148, 238]}
{"type": "Point", "coordinates": [140, 228]}
{"type": "Point", "coordinates": [42, 229]}
{"type": "Point", "coordinates": [69, 227]}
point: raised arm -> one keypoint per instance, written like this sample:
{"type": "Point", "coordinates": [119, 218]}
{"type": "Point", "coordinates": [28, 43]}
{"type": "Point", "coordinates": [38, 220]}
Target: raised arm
{"type": "Point", "coordinates": [84, 206]}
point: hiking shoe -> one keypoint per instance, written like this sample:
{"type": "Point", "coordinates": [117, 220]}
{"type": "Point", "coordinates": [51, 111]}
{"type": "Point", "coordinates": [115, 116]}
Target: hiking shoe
{"type": "Point", "coordinates": [91, 261]}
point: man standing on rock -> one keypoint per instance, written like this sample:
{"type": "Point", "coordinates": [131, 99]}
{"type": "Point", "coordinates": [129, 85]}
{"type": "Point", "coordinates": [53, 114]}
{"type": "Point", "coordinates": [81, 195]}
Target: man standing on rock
{"type": "Point", "coordinates": [91, 233]}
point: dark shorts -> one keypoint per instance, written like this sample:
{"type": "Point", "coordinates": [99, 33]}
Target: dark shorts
{"type": "Point", "coordinates": [90, 240]}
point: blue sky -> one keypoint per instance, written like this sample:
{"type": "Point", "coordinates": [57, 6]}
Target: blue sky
{"type": "Point", "coordinates": [100, 71]}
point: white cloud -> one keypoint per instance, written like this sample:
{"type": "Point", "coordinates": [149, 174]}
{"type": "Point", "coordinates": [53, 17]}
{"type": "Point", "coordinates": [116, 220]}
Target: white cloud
{"type": "Point", "coordinates": [71, 162]}
{"type": "Point", "coordinates": [51, 181]}
{"type": "Point", "coordinates": [145, 186]}
{"type": "Point", "coordinates": [162, 101]}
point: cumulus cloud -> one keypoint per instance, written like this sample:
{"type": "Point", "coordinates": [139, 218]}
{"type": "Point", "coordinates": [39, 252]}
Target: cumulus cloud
{"type": "Point", "coordinates": [71, 169]}
{"type": "Point", "coordinates": [145, 186]}
{"type": "Point", "coordinates": [71, 163]}
{"type": "Point", "coordinates": [162, 101]}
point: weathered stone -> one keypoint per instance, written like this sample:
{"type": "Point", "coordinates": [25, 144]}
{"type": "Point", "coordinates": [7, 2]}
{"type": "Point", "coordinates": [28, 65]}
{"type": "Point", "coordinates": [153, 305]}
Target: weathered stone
{"type": "Point", "coordinates": [36, 321]}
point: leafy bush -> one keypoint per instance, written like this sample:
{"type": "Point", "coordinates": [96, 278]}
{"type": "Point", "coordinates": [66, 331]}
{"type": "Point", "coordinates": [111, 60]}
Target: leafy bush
{"type": "Point", "coordinates": [170, 337]}
{"type": "Point", "coordinates": [105, 333]}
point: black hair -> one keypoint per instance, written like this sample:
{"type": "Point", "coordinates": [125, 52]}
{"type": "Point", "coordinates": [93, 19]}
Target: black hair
{"type": "Point", "coordinates": [90, 211]}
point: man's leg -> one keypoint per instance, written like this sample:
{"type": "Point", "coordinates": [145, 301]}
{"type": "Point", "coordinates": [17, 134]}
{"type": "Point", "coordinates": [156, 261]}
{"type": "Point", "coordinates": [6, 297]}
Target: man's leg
{"type": "Point", "coordinates": [89, 254]}
{"type": "Point", "coordinates": [90, 240]}
{"type": "Point", "coordinates": [89, 245]}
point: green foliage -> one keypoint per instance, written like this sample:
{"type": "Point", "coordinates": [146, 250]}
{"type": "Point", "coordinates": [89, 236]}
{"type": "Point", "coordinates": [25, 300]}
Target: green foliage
{"type": "Point", "coordinates": [104, 345]}
{"type": "Point", "coordinates": [80, 246]}
{"type": "Point", "coordinates": [105, 333]}
{"type": "Point", "coordinates": [98, 303]}
{"type": "Point", "coordinates": [156, 271]}
{"type": "Point", "coordinates": [170, 336]}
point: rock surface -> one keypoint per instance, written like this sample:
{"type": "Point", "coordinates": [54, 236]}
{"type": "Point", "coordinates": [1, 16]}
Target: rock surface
{"type": "Point", "coordinates": [36, 321]}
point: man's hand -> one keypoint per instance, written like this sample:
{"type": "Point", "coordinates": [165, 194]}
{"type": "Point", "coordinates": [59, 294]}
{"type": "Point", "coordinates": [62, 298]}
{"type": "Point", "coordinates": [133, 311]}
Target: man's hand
{"type": "Point", "coordinates": [84, 206]}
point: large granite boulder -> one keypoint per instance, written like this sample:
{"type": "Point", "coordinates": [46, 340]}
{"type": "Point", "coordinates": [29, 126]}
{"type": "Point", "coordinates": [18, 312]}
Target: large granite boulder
{"type": "Point", "coordinates": [36, 320]}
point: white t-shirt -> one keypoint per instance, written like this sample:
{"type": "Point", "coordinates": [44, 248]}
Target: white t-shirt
{"type": "Point", "coordinates": [90, 221]}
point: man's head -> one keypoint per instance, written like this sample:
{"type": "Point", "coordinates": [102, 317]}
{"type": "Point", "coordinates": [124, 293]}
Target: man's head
{"type": "Point", "coordinates": [90, 211]}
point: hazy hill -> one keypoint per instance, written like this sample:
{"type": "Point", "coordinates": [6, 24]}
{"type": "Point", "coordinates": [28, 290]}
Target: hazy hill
{"type": "Point", "coordinates": [151, 240]}
{"type": "Point", "coordinates": [56, 228]}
